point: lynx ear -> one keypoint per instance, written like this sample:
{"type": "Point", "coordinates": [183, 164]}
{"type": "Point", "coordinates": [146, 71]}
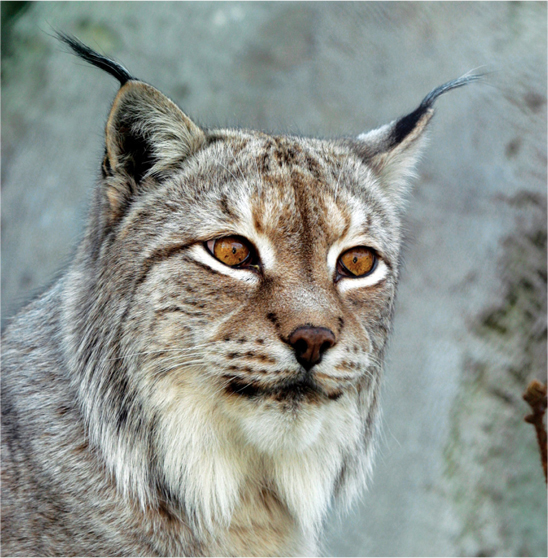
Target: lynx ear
{"type": "Point", "coordinates": [147, 134]}
{"type": "Point", "coordinates": [392, 151]}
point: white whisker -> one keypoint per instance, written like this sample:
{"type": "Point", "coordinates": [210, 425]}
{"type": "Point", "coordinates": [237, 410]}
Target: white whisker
{"type": "Point", "coordinates": [237, 164]}
{"type": "Point", "coordinates": [339, 178]}
{"type": "Point", "coordinates": [180, 365]}
{"type": "Point", "coordinates": [227, 170]}
{"type": "Point", "coordinates": [181, 350]}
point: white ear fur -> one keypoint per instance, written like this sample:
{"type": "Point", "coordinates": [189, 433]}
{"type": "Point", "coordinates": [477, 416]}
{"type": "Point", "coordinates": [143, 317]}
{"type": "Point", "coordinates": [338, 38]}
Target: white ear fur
{"type": "Point", "coordinates": [395, 161]}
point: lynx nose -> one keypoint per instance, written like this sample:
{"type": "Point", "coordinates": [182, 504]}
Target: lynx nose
{"type": "Point", "coordinates": [310, 343]}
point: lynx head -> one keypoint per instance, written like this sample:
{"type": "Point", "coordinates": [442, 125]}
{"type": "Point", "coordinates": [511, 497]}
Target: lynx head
{"type": "Point", "coordinates": [231, 302]}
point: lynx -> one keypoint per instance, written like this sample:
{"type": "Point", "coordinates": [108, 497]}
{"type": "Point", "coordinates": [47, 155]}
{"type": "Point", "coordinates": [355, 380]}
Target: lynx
{"type": "Point", "coordinates": [204, 378]}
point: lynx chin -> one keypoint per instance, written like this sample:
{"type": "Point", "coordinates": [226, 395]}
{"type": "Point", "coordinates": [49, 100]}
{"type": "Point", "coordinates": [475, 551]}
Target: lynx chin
{"type": "Point", "coordinates": [204, 377]}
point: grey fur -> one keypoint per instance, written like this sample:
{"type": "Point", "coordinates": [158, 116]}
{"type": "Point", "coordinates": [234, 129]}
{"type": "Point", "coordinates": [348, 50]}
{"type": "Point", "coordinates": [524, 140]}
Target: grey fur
{"type": "Point", "coordinates": [151, 402]}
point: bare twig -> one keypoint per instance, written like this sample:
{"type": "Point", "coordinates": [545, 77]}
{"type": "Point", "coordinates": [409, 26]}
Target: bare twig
{"type": "Point", "coordinates": [535, 395]}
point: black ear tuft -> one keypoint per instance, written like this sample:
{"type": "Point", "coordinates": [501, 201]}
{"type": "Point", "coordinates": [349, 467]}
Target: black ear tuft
{"type": "Point", "coordinates": [428, 101]}
{"type": "Point", "coordinates": [407, 123]}
{"type": "Point", "coordinates": [96, 59]}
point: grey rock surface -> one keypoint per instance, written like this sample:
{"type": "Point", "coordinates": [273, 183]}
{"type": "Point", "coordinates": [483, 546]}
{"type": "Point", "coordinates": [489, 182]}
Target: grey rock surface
{"type": "Point", "coordinates": [458, 470]}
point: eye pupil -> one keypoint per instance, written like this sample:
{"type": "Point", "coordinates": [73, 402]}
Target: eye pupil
{"type": "Point", "coordinates": [233, 250]}
{"type": "Point", "coordinates": [355, 260]}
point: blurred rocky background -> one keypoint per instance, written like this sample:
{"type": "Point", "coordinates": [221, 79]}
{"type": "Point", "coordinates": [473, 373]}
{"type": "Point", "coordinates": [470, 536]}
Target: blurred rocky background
{"type": "Point", "coordinates": [458, 470]}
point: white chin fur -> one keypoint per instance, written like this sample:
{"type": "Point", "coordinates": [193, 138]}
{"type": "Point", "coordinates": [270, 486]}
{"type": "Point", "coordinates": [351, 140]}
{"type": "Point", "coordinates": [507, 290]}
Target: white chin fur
{"type": "Point", "coordinates": [299, 453]}
{"type": "Point", "coordinates": [271, 430]}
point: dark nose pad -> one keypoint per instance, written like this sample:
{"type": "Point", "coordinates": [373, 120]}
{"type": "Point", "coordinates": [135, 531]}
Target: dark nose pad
{"type": "Point", "coordinates": [310, 343]}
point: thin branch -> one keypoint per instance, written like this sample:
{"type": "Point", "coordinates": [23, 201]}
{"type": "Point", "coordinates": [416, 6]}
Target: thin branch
{"type": "Point", "coordinates": [535, 395]}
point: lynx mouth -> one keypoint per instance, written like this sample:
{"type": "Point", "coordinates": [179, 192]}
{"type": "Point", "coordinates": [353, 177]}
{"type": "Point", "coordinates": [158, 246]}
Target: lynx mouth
{"type": "Point", "coordinates": [301, 388]}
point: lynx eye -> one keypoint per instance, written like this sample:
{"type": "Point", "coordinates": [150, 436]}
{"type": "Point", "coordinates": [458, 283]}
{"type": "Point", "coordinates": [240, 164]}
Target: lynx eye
{"type": "Point", "coordinates": [357, 262]}
{"type": "Point", "coordinates": [233, 251]}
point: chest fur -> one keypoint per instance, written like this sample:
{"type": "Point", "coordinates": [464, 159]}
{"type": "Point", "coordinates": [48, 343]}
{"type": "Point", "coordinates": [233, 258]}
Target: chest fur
{"type": "Point", "coordinates": [263, 526]}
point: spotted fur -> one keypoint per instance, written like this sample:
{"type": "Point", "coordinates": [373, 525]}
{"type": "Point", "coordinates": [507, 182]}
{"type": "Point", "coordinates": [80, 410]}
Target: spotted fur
{"type": "Point", "coordinates": [152, 402]}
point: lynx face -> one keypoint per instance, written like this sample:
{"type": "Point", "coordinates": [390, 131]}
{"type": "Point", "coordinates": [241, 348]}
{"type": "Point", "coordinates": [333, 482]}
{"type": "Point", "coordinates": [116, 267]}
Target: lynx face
{"type": "Point", "coordinates": [294, 206]}
{"type": "Point", "coordinates": [228, 310]}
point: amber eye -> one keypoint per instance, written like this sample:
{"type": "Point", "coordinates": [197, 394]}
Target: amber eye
{"type": "Point", "coordinates": [233, 251]}
{"type": "Point", "coordinates": [357, 262]}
